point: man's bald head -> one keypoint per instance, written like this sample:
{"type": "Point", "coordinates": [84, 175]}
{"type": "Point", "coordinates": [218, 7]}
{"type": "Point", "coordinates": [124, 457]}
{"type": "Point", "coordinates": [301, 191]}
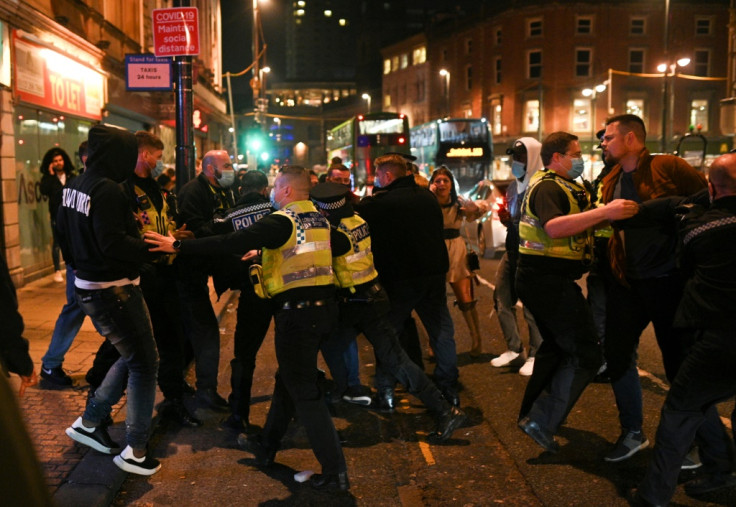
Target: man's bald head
{"type": "Point", "coordinates": [722, 176]}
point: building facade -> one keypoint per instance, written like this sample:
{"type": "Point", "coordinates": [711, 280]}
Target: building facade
{"type": "Point", "coordinates": [62, 70]}
{"type": "Point", "coordinates": [536, 67]}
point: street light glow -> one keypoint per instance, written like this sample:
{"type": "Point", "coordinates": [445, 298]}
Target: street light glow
{"type": "Point", "coordinates": [600, 88]}
{"type": "Point", "coordinates": [682, 62]}
{"type": "Point", "coordinates": [444, 72]}
{"type": "Point", "coordinates": [662, 67]}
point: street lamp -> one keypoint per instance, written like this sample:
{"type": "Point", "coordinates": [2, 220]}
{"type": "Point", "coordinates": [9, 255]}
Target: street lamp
{"type": "Point", "coordinates": [367, 98]}
{"type": "Point", "coordinates": [446, 74]}
{"type": "Point", "coordinates": [593, 94]}
{"type": "Point", "coordinates": [669, 71]}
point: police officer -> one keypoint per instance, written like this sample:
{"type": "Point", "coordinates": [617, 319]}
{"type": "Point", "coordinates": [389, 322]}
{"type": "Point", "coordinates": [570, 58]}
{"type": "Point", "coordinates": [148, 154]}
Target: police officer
{"type": "Point", "coordinates": [364, 306]}
{"type": "Point", "coordinates": [555, 245]}
{"type": "Point", "coordinates": [298, 277]}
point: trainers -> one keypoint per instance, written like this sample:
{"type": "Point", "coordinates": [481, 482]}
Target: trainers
{"type": "Point", "coordinates": [628, 444]}
{"type": "Point", "coordinates": [528, 368]}
{"type": "Point", "coordinates": [710, 483]}
{"type": "Point", "coordinates": [56, 376]}
{"type": "Point", "coordinates": [504, 359]}
{"type": "Point", "coordinates": [127, 461]}
{"type": "Point", "coordinates": [692, 460]}
{"type": "Point", "coordinates": [358, 395]}
{"type": "Point", "coordinates": [58, 277]}
{"type": "Point", "coordinates": [96, 438]}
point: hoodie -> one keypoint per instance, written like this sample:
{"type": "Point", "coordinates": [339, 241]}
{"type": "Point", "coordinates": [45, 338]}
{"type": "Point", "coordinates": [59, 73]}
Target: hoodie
{"type": "Point", "coordinates": [515, 192]}
{"type": "Point", "coordinates": [97, 229]}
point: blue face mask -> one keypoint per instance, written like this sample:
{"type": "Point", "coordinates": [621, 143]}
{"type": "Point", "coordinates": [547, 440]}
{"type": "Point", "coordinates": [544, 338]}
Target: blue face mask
{"type": "Point", "coordinates": [518, 169]}
{"type": "Point", "coordinates": [577, 168]}
{"type": "Point", "coordinates": [157, 170]}
{"type": "Point", "coordinates": [272, 198]}
{"type": "Point", "coordinates": [376, 182]}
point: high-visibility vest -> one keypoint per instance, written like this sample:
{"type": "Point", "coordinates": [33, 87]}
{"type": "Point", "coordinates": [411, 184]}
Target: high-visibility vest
{"type": "Point", "coordinates": [305, 260]}
{"type": "Point", "coordinates": [356, 266]}
{"type": "Point", "coordinates": [154, 220]}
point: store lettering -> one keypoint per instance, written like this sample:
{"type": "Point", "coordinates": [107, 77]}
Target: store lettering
{"type": "Point", "coordinates": [29, 192]}
{"type": "Point", "coordinates": [65, 94]}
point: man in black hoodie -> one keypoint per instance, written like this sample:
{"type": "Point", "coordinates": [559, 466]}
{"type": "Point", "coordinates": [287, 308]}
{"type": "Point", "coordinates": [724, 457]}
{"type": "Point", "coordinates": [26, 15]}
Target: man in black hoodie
{"type": "Point", "coordinates": [100, 239]}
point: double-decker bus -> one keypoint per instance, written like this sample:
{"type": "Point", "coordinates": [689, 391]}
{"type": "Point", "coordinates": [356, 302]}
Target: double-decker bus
{"type": "Point", "coordinates": [464, 145]}
{"type": "Point", "coordinates": [363, 138]}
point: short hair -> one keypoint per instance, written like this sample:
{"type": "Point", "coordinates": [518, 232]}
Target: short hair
{"type": "Point", "coordinates": [336, 167]}
{"type": "Point", "coordinates": [556, 142]}
{"type": "Point", "coordinates": [336, 161]}
{"type": "Point", "coordinates": [630, 123]}
{"type": "Point", "coordinates": [296, 175]}
{"type": "Point", "coordinates": [395, 164]}
{"type": "Point", "coordinates": [82, 150]}
{"type": "Point", "coordinates": [146, 139]}
{"type": "Point", "coordinates": [253, 181]}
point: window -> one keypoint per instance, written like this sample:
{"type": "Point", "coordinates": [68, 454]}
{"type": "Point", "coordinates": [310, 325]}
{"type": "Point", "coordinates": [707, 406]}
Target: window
{"type": "Point", "coordinates": [469, 78]}
{"type": "Point", "coordinates": [394, 64]}
{"type": "Point", "coordinates": [534, 64]}
{"type": "Point", "coordinates": [498, 35]}
{"type": "Point", "coordinates": [497, 110]}
{"type": "Point", "coordinates": [498, 70]}
{"type": "Point", "coordinates": [584, 25]}
{"type": "Point", "coordinates": [702, 26]}
{"type": "Point", "coordinates": [531, 116]}
{"type": "Point", "coordinates": [701, 62]}
{"type": "Point", "coordinates": [419, 55]}
{"type": "Point", "coordinates": [468, 46]}
{"type": "Point", "coordinates": [637, 26]}
{"type": "Point", "coordinates": [534, 27]}
{"type": "Point", "coordinates": [387, 66]}
{"type": "Point", "coordinates": [583, 61]}
{"type": "Point", "coordinates": [387, 100]}
{"type": "Point", "coordinates": [636, 60]}
{"type": "Point", "coordinates": [581, 114]}
{"type": "Point", "coordinates": [404, 60]}
{"type": "Point", "coordinates": [699, 114]}
{"type": "Point", "coordinates": [635, 106]}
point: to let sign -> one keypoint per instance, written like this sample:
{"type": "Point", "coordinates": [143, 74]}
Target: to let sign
{"type": "Point", "coordinates": [176, 31]}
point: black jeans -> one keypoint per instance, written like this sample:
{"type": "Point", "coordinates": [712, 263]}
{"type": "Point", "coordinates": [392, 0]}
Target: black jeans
{"type": "Point", "coordinates": [707, 376]}
{"type": "Point", "coordinates": [570, 354]}
{"type": "Point", "coordinates": [254, 317]}
{"type": "Point", "coordinates": [297, 339]}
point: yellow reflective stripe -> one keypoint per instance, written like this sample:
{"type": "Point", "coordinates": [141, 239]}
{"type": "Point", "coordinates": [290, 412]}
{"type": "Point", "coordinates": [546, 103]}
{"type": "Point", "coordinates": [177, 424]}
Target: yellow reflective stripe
{"type": "Point", "coordinates": [305, 248]}
{"type": "Point", "coordinates": [304, 274]}
{"type": "Point", "coordinates": [363, 274]}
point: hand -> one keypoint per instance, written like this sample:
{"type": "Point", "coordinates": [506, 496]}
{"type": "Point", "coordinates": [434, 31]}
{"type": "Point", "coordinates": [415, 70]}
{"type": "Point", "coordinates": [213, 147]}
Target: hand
{"type": "Point", "coordinates": [27, 381]}
{"type": "Point", "coordinates": [183, 233]}
{"type": "Point", "coordinates": [433, 188]}
{"type": "Point", "coordinates": [162, 243]}
{"type": "Point", "coordinates": [51, 169]}
{"type": "Point", "coordinates": [620, 209]}
{"type": "Point", "coordinates": [252, 254]}
{"type": "Point", "coordinates": [504, 216]}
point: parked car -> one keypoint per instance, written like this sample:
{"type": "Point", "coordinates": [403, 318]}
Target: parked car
{"type": "Point", "coordinates": [487, 235]}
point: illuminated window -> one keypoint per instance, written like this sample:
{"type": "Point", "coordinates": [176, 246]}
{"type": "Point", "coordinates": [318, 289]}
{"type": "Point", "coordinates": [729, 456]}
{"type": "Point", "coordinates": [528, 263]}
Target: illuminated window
{"type": "Point", "coordinates": [387, 66]}
{"type": "Point", "coordinates": [387, 100]}
{"type": "Point", "coordinates": [394, 64]}
{"type": "Point", "coordinates": [581, 115]}
{"type": "Point", "coordinates": [404, 60]}
{"type": "Point", "coordinates": [343, 22]}
{"type": "Point", "coordinates": [635, 106]}
{"type": "Point", "coordinates": [419, 56]}
{"type": "Point", "coordinates": [328, 13]}
{"type": "Point", "coordinates": [531, 116]}
{"type": "Point", "coordinates": [497, 114]}
{"type": "Point", "coordinates": [301, 3]}
{"type": "Point", "coordinates": [699, 114]}
{"type": "Point", "coordinates": [300, 12]}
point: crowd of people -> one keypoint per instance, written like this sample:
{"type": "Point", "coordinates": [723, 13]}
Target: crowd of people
{"type": "Point", "coordinates": [326, 265]}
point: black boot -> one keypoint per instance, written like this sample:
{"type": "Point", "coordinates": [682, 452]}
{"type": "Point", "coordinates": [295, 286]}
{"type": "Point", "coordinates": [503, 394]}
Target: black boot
{"type": "Point", "coordinates": [174, 409]}
{"type": "Point", "coordinates": [447, 423]}
{"type": "Point", "coordinates": [330, 482]}
{"type": "Point", "coordinates": [385, 400]}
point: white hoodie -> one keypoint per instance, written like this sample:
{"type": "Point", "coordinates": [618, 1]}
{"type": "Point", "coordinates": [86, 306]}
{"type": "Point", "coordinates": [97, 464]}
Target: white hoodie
{"type": "Point", "coordinates": [533, 161]}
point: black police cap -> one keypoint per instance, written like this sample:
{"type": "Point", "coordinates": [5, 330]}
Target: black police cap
{"type": "Point", "coordinates": [329, 195]}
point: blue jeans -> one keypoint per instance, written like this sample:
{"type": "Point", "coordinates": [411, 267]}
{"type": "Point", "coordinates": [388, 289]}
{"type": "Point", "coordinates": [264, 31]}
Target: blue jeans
{"type": "Point", "coordinates": [122, 316]}
{"type": "Point", "coordinates": [340, 352]}
{"type": "Point", "coordinates": [504, 299]}
{"type": "Point", "coordinates": [428, 297]}
{"type": "Point", "coordinates": [67, 326]}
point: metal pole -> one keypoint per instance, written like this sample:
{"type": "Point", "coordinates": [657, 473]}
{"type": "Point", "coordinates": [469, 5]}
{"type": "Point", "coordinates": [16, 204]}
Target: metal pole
{"type": "Point", "coordinates": [184, 111]}
{"type": "Point", "coordinates": [665, 105]}
{"type": "Point", "coordinates": [232, 118]}
{"type": "Point", "coordinates": [610, 92]}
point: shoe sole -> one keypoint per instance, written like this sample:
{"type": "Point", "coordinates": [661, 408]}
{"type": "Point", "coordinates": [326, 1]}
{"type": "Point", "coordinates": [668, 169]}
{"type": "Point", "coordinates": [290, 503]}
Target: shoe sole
{"type": "Point", "coordinates": [134, 468]}
{"type": "Point", "coordinates": [362, 400]}
{"type": "Point", "coordinates": [633, 451]}
{"type": "Point", "coordinates": [691, 466]}
{"type": "Point", "coordinates": [83, 439]}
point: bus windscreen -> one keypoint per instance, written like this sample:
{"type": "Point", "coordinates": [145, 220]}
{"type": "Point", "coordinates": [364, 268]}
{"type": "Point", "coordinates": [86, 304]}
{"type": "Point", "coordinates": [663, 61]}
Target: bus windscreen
{"type": "Point", "coordinates": [390, 126]}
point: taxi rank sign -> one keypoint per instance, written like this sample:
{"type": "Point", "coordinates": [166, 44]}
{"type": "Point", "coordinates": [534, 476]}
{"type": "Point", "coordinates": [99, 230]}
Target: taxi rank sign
{"type": "Point", "coordinates": [147, 73]}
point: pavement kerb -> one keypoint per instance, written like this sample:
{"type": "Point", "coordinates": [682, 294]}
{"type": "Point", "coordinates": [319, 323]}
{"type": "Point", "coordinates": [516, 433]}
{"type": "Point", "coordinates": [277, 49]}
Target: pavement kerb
{"type": "Point", "coordinates": [95, 481]}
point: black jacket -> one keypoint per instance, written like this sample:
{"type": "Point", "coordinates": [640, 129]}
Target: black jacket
{"type": "Point", "coordinates": [407, 232]}
{"type": "Point", "coordinates": [97, 230]}
{"type": "Point", "coordinates": [198, 201]}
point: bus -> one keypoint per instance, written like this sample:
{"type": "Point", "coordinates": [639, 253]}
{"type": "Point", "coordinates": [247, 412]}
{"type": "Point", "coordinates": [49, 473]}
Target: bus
{"type": "Point", "coordinates": [463, 145]}
{"type": "Point", "coordinates": [363, 138]}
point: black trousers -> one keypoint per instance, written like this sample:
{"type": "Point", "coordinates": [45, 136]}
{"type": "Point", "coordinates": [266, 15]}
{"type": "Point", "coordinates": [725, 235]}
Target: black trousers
{"type": "Point", "coordinates": [254, 317]}
{"type": "Point", "coordinates": [707, 376]}
{"type": "Point", "coordinates": [297, 339]}
{"type": "Point", "coordinates": [570, 354]}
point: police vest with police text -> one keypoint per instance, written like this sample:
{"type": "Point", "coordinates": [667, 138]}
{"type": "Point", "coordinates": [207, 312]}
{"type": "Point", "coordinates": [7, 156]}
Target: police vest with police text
{"type": "Point", "coordinates": [305, 260]}
{"type": "Point", "coordinates": [151, 219]}
{"type": "Point", "coordinates": [356, 266]}
{"type": "Point", "coordinates": [533, 238]}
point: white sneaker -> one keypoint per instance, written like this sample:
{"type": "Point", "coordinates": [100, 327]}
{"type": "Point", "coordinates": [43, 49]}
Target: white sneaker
{"type": "Point", "coordinates": [58, 277]}
{"type": "Point", "coordinates": [528, 367]}
{"type": "Point", "coordinates": [504, 359]}
{"type": "Point", "coordinates": [127, 461]}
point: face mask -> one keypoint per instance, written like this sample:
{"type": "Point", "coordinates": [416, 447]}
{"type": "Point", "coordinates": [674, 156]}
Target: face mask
{"type": "Point", "coordinates": [577, 168]}
{"type": "Point", "coordinates": [272, 198]}
{"type": "Point", "coordinates": [157, 170]}
{"type": "Point", "coordinates": [376, 182]}
{"type": "Point", "coordinates": [518, 169]}
{"type": "Point", "coordinates": [226, 179]}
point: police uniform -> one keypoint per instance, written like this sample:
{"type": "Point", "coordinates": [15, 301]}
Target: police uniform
{"type": "Point", "coordinates": [364, 306]}
{"type": "Point", "coordinates": [570, 353]}
{"type": "Point", "coordinates": [298, 277]}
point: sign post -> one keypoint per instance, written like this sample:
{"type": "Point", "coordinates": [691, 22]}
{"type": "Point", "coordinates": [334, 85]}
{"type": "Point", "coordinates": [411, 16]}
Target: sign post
{"type": "Point", "coordinates": [176, 34]}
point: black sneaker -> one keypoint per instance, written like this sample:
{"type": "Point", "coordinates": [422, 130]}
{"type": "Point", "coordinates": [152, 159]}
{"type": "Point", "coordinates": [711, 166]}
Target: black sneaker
{"type": "Point", "coordinates": [96, 438]}
{"type": "Point", "coordinates": [56, 376]}
{"type": "Point", "coordinates": [447, 423]}
{"type": "Point", "coordinates": [127, 461]}
{"type": "Point", "coordinates": [359, 395]}
{"type": "Point", "coordinates": [263, 454]}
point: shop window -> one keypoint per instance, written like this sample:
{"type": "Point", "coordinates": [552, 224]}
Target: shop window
{"type": "Point", "coordinates": [699, 109]}
{"type": "Point", "coordinates": [531, 116]}
{"type": "Point", "coordinates": [635, 106]}
{"type": "Point", "coordinates": [581, 115]}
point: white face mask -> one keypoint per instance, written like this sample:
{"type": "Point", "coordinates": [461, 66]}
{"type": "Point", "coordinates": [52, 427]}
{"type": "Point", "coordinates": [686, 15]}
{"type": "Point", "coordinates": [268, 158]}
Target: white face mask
{"type": "Point", "coordinates": [157, 170]}
{"type": "Point", "coordinates": [272, 198]}
{"type": "Point", "coordinates": [226, 178]}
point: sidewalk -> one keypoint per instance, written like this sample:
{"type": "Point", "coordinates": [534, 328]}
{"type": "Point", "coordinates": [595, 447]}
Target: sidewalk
{"type": "Point", "coordinates": [74, 475]}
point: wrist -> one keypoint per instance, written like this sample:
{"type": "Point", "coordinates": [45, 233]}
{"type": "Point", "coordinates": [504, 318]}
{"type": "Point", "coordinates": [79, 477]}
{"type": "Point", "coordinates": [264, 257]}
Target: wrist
{"type": "Point", "coordinates": [176, 244]}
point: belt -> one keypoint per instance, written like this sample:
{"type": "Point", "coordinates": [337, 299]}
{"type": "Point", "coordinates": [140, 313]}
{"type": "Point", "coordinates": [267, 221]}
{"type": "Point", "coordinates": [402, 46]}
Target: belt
{"type": "Point", "coordinates": [451, 233]}
{"type": "Point", "coordinates": [300, 305]}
